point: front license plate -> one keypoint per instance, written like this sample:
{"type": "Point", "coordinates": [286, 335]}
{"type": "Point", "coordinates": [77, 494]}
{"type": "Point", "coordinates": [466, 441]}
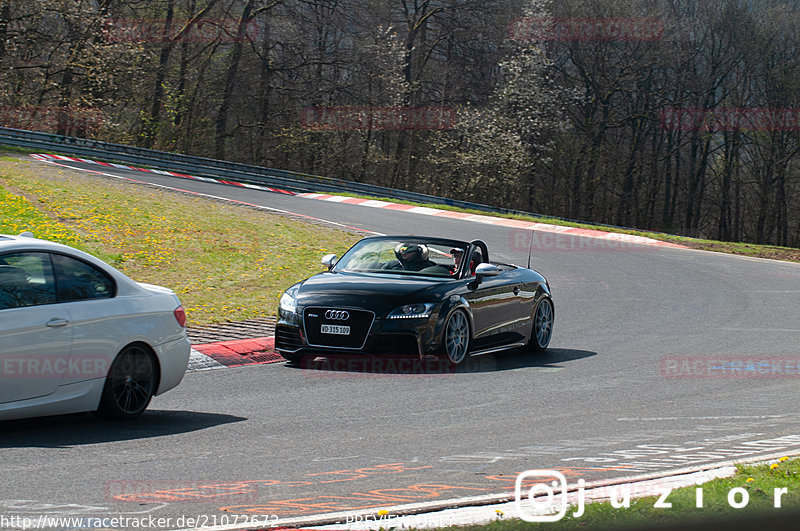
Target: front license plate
{"type": "Point", "coordinates": [335, 329]}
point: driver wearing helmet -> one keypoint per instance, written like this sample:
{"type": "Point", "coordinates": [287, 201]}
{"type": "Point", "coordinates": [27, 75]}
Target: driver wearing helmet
{"type": "Point", "coordinates": [413, 256]}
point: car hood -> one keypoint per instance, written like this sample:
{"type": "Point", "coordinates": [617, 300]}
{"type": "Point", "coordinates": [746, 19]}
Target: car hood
{"type": "Point", "coordinates": [371, 291]}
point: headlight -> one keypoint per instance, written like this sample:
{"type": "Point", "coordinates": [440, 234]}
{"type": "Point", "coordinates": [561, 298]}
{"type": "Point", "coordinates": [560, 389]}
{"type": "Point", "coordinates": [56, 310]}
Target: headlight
{"type": "Point", "coordinates": [288, 303]}
{"type": "Point", "coordinates": [412, 311]}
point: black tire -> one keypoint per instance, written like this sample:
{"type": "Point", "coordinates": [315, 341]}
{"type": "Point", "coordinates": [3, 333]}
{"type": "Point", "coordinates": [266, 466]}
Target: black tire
{"type": "Point", "coordinates": [542, 329]}
{"type": "Point", "coordinates": [456, 339]}
{"type": "Point", "coordinates": [130, 384]}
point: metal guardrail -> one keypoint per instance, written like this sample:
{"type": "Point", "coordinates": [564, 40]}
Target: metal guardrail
{"type": "Point", "coordinates": [206, 167]}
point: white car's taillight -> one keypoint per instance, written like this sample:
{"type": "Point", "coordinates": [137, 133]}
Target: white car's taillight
{"type": "Point", "coordinates": [180, 316]}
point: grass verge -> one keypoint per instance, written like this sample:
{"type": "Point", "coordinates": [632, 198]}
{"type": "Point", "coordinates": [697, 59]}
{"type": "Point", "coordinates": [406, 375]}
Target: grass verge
{"type": "Point", "coordinates": [757, 481]}
{"type": "Point", "coordinates": [225, 262]}
{"type": "Point", "coordinates": [15, 149]}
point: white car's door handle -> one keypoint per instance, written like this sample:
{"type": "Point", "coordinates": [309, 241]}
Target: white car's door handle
{"type": "Point", "coordinates": [55, 321]}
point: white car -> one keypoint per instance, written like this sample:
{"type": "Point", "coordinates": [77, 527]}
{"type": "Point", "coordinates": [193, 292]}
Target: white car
{"type": "Point", "coordinates": [77, 335]}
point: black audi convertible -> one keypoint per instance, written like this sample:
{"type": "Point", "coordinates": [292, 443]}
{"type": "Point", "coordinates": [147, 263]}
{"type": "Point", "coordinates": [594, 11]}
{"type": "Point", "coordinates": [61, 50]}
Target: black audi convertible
{"type": "Point", "coordinates": [415, 296]}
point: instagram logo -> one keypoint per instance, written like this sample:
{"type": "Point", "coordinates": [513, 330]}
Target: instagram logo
{"type": "Point", "coordinates": [544, 501]}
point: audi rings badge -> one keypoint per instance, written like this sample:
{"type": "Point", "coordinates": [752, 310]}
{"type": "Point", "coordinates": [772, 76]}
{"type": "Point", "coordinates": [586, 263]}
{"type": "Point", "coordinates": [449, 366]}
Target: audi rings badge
{"type": "Point", "coordinates": [337, 315]}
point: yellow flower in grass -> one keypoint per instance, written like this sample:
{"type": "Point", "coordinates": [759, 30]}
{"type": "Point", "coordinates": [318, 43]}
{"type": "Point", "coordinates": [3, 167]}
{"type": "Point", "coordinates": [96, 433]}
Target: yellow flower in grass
{"type": "Point", "coordinates": [782, 459]}
{"type": "Point", "coordinates": [749, 480]}
{"type": "Point", "coordinates": [773, 466]}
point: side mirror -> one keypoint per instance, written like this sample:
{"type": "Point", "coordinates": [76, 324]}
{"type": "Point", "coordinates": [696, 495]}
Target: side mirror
{"type": "Point", "coordinates": [487, 270]}
{"type": "Point", "coordinates": [329, 260]}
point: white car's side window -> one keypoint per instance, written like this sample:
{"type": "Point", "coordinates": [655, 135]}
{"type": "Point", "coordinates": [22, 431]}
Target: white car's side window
{"type": "Point", "coordinates": [26, 279]}
{"type": "Point", "coordinates": [76, 280]}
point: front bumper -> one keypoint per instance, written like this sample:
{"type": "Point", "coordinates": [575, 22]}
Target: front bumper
{"type": "Point", "coordinates": [385, 337]}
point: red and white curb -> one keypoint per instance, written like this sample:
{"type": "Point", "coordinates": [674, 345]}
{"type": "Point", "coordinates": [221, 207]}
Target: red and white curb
{"type": "Point", "coordinates": [492, 220]}
{"type": "Point", "coordinates": [616, 237]}
{"type": "Point", "coordinates": [236, 353]}
{"type": "Point", "coordinates": [49, 158]}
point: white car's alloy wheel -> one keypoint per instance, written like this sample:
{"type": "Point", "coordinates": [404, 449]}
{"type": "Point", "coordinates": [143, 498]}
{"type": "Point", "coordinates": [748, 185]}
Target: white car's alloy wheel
{"type": "Point", "coordinates": [130, 384]}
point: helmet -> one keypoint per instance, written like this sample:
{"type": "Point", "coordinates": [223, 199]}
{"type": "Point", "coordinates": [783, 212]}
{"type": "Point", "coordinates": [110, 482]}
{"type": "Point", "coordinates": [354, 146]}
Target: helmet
{"type": "Point", "coordinates": [411, 252]}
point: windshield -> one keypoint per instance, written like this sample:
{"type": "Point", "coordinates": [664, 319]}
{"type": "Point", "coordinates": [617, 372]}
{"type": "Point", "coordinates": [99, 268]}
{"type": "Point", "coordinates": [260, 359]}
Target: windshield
{"type": "Point", "coordinates": [403, 257]}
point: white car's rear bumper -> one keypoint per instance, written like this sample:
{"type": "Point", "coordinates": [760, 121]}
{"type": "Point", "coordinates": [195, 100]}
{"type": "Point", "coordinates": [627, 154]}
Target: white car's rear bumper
{"type": "Point", "coordinates": [173, 357]}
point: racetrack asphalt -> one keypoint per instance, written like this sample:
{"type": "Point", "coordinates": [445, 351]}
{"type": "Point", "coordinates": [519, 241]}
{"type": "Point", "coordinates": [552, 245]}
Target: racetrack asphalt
{"type": "Point", "coordinates": [661, 359]}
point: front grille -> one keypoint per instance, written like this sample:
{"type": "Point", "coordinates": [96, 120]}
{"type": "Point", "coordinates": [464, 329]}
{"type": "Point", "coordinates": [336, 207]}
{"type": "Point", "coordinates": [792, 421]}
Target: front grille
{"type": "Point", "coordinates": [288, 338]}
{"type": "Point", "coordinates": [359, 321]}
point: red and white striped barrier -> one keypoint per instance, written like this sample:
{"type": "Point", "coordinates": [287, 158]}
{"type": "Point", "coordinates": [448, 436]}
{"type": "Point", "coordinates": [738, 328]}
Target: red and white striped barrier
{"type": "Point", "coordinates": [62, 158]}
{"type": "Point", "coordinates": [492, 220]}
